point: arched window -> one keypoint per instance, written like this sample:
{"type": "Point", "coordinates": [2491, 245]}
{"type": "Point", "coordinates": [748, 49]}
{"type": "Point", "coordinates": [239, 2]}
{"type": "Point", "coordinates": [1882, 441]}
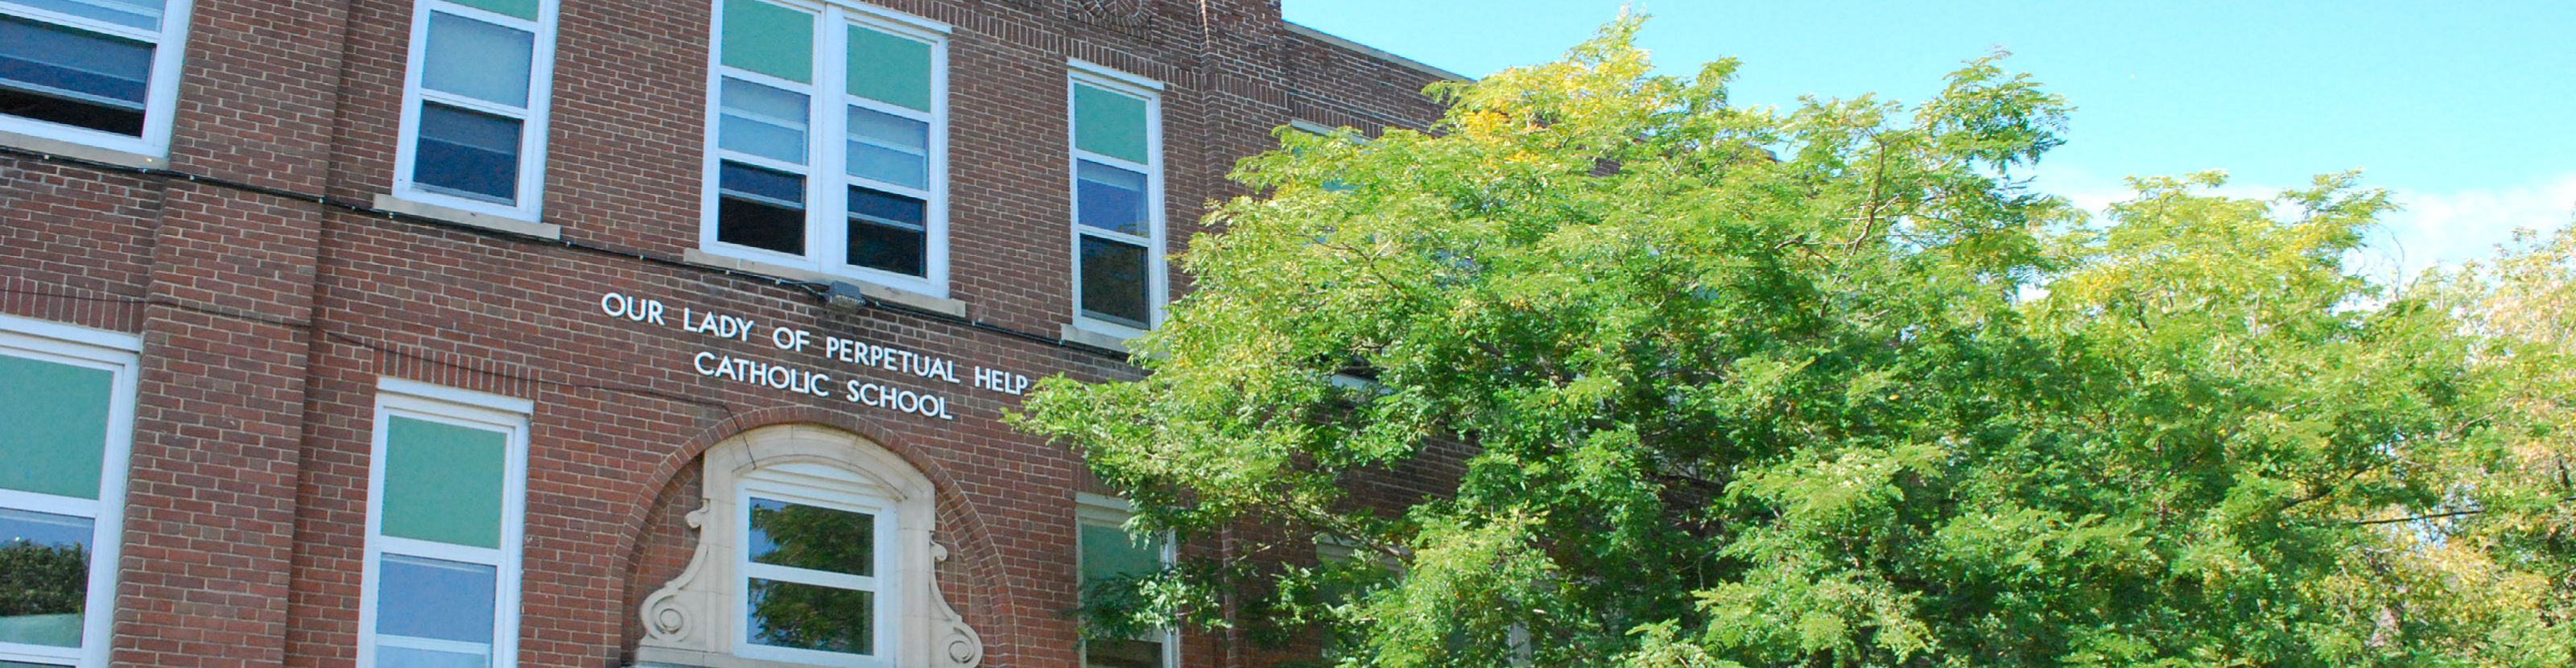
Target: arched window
{"type": "Point", "coordinates": [814, 549]}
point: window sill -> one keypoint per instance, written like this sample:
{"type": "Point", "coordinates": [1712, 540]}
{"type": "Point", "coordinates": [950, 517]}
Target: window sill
{"type": "Point", "coordinates": [81, 151]}
{"type": "Point", "coordinates": [1092, 338]}
{"type": "Point", "coordinates": [468, 218]}
{"type": "Point", "coordinates": [896, 296]}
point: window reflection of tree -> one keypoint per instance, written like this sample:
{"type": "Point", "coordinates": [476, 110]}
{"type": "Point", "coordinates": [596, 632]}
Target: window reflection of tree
{"type": "Point", "coordinates": [805, 616]}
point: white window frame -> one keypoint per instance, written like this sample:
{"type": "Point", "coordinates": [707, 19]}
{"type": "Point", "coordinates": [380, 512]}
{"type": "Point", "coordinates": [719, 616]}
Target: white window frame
{"type": "Point", "coordinates": [533, 120]}
{"type": "Point", "coordinates": [160, 97]}
{"type": "Point", "coordinates": [1157, 293]}
{"type": "Point", "coordinates": [117, 353]}
{"type": "Point", "coordinates": [467, 408]}
{"type": "Point", "coordinates": [1109, 511]}
{"type": "Point", "coordinates": [827, 181]}
{"type": "Point", "coordinates": [783, 484]}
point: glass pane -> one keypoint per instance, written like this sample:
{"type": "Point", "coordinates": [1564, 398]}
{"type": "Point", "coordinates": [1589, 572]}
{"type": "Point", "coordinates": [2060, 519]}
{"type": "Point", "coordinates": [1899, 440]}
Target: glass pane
{"type": "Point", "coordinates": [763, 120]}
{"type": "Point", "coordinates": [1113, 281]}
{"type": "Point", "coordinates": [478, 60]}
{"type": "Point", "coordinates": [435, 599]}
{"type": "Point", "coordinates": [145, 14]}
{"type": "Point", "coordinates": [44, 577]}
{"type": "Point", "coordinates": [887, 231]}
{"type": "Point", "coordinates": [390, 656]}
{"type": "Point", "coordinates": [1111, 198]}
{"type": "Point", "coordinates": [53, 426]}
{"type": "Point", "coordinates": [61, 75]}
{"type": "Point", "coordinates": [803, 616]}
{"type": "Point", "coordinates": [467, 153]}
{"type": "Point", "coordinates": [889, 69]}
{"type": "Point", "coordinates": [802, 536]}
{"type": "Point", "coordinates": [889, 148]}
{"type": "Point", "coordinates": [760, 208]}
{"type": "Point", "coordinates": [769, 39]}
{"type": "Point", "coordinates": [1109, 124]}
{"type": "Point", "coordinates": [1122, 653]}
{"type": "Point", "coordinates": [443, 482]}
{"type": "Point", "coordinates": [1109, 552]}
{"type": "Point", "coordinates": [526, 9]}
{"type": "Point", "coordinates": [23, 664]}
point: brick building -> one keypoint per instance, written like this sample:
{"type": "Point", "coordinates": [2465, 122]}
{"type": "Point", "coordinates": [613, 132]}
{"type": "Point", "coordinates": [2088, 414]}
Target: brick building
{"type": "Point", "coordinates": [528, 333]}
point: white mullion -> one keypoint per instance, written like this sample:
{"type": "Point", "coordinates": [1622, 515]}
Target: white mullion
{"type": "Point", "coordinates": [430, 549]}
{"type": "Point", "coordinates": [827, 226]}
{"type": "Point", "coordinates": [49, 504]}
{"type": "Point", "coordinates": [808, 576]}
{"type": "Point", "coordinates": [488, 16]}
{"type": "Point", "coordinates": [519, 114]}
{"type": "Point", "coordinates": [1121, 163]}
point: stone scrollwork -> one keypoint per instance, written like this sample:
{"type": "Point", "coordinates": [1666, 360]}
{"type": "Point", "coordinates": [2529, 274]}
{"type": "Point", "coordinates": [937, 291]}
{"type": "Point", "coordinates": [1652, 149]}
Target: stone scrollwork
{"type": "Point", "coordinates": [692, 620]}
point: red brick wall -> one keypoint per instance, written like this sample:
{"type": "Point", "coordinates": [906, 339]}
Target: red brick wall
{"type": "Point", "coordinates": [268, 318]}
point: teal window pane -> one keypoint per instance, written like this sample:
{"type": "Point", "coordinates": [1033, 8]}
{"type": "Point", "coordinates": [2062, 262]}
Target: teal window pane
{"type": "Point", "coordinates": [1109, 124]}
{"type": "Point", "coordinates": [889, 69]}
{"type": "Point", "coordinates": [53, 426]}
{"type": "Point", "coordinates": [526, 9]}
{"type": "Point", "coordinates": [769, 39]}
{"type": "Point", "coordinates": [443, 482]}
{"type": "Point", "coordinates": [479, 60]}
{"type": "Point", "coordinates": [1108, 552]}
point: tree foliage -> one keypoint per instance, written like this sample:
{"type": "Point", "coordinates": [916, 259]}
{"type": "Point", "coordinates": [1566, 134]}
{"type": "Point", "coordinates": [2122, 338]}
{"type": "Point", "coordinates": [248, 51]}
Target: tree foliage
{"type": "Point", "coordinates": [1824, 385]}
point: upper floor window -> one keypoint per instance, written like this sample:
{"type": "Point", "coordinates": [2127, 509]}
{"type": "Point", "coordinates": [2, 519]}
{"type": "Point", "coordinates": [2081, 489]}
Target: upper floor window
{"type": "Point", "coordinates": [448, 484]}
{"type": "Point", "coordinates": [1117, 201]}
{"type": "Point", "coordinates": [96, 72]}
{"type": "Point", "coordinates": [828, 142]}
{"type": "Point", "coordinates": [474, 105]}
{"type": "Point", "coordinates": [66, 419]}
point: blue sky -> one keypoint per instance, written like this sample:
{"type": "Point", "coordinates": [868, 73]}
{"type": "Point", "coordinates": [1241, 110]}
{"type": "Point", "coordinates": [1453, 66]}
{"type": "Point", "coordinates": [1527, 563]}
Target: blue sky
{"type": "Point", "coordinates": [2466, 111]}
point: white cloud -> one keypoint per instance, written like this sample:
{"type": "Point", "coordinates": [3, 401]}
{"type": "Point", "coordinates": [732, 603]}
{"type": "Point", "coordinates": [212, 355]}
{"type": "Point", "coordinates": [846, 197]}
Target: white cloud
{"type": "Point", "coordinates": [2453, 227]}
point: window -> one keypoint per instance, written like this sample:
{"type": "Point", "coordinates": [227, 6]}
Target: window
{"type": "Point", "coordinates": [1117, 201]}
{"type": "Point", "coordinates": [814, 549]}
{"type": "Point", "coordinates": [1109, 552]}
{"type": "Point", "coordinates": [474, 105]}
{"type": "Point", "coordinates": [447, 479]}
{"type": "Point", "coordinates": [811, 560]}
{"type": "Point", "coordinates": [96, 72]}
{"type": "Point", "coordinates": [66, 419]}
{"type": "Point", "coordinates": [829, 142]}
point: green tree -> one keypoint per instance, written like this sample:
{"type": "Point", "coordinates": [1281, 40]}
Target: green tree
{"type": "Point", "coordinates": [1825, 385]}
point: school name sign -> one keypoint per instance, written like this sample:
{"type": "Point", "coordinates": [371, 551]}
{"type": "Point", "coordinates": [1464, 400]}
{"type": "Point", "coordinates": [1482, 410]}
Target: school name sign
{"type": "Point", "coordinates": [857, 354]}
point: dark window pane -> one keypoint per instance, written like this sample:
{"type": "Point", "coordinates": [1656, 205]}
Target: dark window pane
{"type": "Point", "coordinates": [467, 153]}
{"type": "Point", "coordinates": [57, 74]}
{"type": "Point", "coordinates": [22, 664]}
{"type": "Point", "coordinates": [1113, 281]}
{"type": "Point", "coordinates": [1111, 198]}
{"type": "Point", "coordinates": [887, 231]}
{"type": "Point", "coordinates": [760, 208]}
{"type": "Point", "coordinates": [1122, 653]}
{"type": "Point", "coordinates": [44, 577]}
{"type": "Point", "coordinates": [802, 536]}
{"type": "Point", "coordinates": [435, 598]}
{"type": "Point", "coordinates": [803, 616]}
